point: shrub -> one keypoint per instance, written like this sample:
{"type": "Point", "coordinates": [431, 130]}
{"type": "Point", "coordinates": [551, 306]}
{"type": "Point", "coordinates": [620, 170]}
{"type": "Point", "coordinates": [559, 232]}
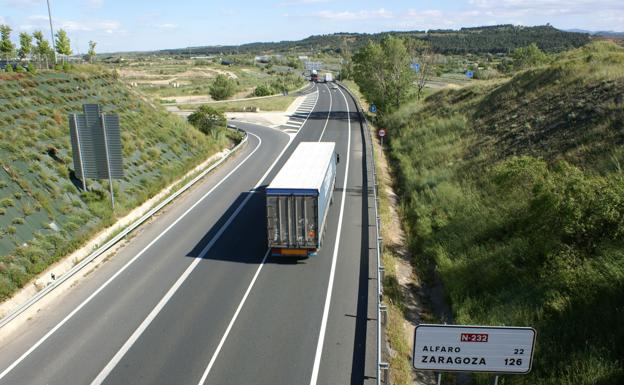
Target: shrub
{"type": "Point", "coordinates": [207, 119]}
{"type": "Point", "coordinates": [222, 87]}
{"type": "Point", "coordinates": [262, 90]}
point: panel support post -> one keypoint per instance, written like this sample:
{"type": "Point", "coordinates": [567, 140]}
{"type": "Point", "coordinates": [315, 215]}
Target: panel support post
{"type": "Point", "coordinates": [83, 179]}
{"type": "Point", "coordinates": [108, 167]}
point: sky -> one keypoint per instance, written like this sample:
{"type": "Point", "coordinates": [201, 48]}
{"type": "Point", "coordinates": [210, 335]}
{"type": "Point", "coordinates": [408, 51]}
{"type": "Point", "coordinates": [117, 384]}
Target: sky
{"type": "Point", "coordinates": [141, 25]}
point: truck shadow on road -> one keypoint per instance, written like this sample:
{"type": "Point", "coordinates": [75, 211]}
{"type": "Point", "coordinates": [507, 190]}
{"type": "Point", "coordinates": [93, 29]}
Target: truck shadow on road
{"type": "Point", "coordinates": [244, 239]}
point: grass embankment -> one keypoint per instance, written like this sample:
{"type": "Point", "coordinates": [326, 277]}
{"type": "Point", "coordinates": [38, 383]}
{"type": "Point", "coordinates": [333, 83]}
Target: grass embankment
{"type": "Point", "coordinates": [43, 215]}
{"type": "Point", "coordinates": [276, 103]}
{"type": "Point", "coordinates": [513, 193]}
{"type": "Point", "coordinates": [400, 360]}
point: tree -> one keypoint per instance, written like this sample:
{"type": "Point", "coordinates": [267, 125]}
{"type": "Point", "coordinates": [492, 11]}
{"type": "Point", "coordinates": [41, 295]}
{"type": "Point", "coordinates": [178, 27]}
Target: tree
{"type": "Point", "coordinates": [207, 119]}
{"type": "Point", "coordinates": [528, 56]}
{"type": "Point", "coordinates": [222, 87]}
{"type": "Point", "coordinates": [7, 48]}
{"type": "Point", "coordinates": [63, 45]}
{"type": "Point", "coordinates": [91, 52]}
{"type": "Point", "coordinates": [25, 45]}
{"type": "Point", "coordinates": [42, 49]}
{"type": "Point", "coordinates": [346, 61]}
{"type": "Point", "coordinates": [383, 73]}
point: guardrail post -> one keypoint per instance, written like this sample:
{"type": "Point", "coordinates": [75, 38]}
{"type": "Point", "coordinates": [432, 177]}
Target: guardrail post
{"type": "Point", "coordinates": [383, 310]}
{"type": "Point", "coordinates": [382, 273]}
{"type": "Point", "coordinates": [384, 367]}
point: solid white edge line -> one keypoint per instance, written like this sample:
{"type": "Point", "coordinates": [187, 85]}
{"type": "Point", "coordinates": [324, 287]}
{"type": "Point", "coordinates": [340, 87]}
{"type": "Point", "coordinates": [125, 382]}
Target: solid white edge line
{"type": "Point", "coordinates": [161, 304]}
{"type": "Point", "coordinates": [253, 281]}
{"type": "Point", "coordinates": [114, 276]}
{"type": "Point", "coordinates": [332, 273]}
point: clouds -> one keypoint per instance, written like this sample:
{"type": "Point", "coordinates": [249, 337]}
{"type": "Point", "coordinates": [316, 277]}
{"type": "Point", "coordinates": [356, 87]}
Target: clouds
{"type": "Point", "coordinates": [588, 14]}
{"type": "Point", "coordinates": [41, 22]}
{"type": "Point", "coordinates": [300, 2]}
{"type": "Point", "coordinates": [380, 13]}
{"type": "Point", "coordinates": [20, 3]}
{"type": "Point", "coordinates": [166, 26]}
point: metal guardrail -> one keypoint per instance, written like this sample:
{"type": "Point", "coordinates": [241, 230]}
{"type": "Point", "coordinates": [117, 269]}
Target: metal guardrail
{"type": "Point", "coordinates": [102, 249]}
{"type": "Point", "coordinates": [382, 367]}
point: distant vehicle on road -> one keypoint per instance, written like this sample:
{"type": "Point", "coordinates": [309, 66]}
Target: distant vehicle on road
{"type": "Point", "coordinates": [298, 199]}
{"type": "Point", "coordinates": [329, 78]}
{"type": "Point", "coordinates": [314, 76]}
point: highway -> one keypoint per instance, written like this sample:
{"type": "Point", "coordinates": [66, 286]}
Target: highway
{"type": "Point", "coordinates": [194, 298]}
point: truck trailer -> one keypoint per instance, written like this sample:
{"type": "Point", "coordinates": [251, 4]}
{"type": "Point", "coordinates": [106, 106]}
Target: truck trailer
{"type": "Point", "coordinates": [298, 199]}
{"type": "Point", "coordinates": [314, 76]}
{"type": "Point", "coordinates": [329, 77]}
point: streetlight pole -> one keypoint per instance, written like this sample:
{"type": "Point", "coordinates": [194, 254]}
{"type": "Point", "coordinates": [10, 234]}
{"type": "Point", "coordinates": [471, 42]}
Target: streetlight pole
{"type": "Point", "coordinates": [51, 31]}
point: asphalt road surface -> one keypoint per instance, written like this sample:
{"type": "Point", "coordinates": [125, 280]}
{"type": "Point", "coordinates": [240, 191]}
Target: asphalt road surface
{"type": "Point", "coordinates": [194, 298]}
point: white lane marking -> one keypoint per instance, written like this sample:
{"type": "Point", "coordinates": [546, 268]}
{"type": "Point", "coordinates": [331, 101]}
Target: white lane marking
{"type": "Point", "coordinates": [231, 324]}
{"type": "Point", "coordinates": [332, 272]}
{"type": "Point", "coordinates": [105, 284]}
{"type": "Point", "coordinates": [240, 306]}
{"type": "Point", "coordinates": [292, 125]}
{"type": "Point", "coordinates": [161, 304]}
{"type": "Point", "coordinates": [328, 113]}
{"type": "Point", "coordinates": [164, 300]}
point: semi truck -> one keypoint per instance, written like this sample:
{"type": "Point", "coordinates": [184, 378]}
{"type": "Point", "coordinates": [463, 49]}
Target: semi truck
{"type": "Point", "coordinates": [329, 77]}
{"type": "Point", "coordinates": [314, 76]}
{"type": "Point", "coordinates": [298, 200]}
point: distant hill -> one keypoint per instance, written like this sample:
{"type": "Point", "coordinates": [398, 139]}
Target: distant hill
{"type": "Point", "coordinates": [44, 213]}
{"type": "Point", "coordinates": [486, 39]}
{"type": "Point", "coordinates": [610, 34]}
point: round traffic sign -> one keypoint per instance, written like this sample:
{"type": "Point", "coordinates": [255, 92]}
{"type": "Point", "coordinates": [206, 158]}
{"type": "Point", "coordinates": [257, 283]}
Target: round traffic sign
{"type": "Point", "coordinates": [381, 132]}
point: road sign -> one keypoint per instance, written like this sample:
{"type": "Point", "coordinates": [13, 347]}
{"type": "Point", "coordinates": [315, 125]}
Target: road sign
{"type": "Point", "coordinates": [96, 146]}
{"type": "Point", "coordinates": [381, 132]}
{"type": "Point", "coordinates": [469, 74]}
{"type": "Point", "coordinates": [454, 348]}
{"type": "Point", "coordinates": [415, 67]}
{"type": "Point", "coordinates": [373, 108]}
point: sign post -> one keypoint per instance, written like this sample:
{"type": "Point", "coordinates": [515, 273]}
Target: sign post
{"type": "Point", "coordinates": [487, 349]}
{"type": "Point", "coordinates": [381, 133]}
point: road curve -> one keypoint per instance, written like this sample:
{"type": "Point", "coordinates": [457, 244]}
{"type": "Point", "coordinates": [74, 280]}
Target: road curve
{"type": "Point", "coordinates": [193, 298]}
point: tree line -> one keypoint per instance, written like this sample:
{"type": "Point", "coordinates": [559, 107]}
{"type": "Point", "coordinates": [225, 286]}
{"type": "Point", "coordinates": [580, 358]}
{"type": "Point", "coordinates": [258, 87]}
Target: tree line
{"type": "Point", "coordinates": [487, 39]}
{"type": "Point", "coordinates": [39, 51]}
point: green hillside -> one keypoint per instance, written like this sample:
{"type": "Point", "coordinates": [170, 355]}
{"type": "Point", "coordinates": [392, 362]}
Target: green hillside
{"type": "Point", "coordinates": [512, 193]}
{"type": "Point", "coordinates": [490, 39]}
{"type": "Point", "coordinates": [43, 215]}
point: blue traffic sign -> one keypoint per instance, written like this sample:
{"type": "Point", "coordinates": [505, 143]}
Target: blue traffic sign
{"type": "Point", "coordinates": [373, 108]}
{"type": "Point", "coordinates": [415, 67]}
{"type": "Point", "coordinates": [469, 74]}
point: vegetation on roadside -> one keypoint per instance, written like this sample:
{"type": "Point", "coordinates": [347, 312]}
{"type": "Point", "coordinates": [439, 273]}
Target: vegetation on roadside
{"type": "Point", "coordinates": [45, 213]}
{"type": "Point", "coordinates": [208, 120]}
{"type": "Point", "coordinates": [382, 72]}
{"type": "Point", "coordinates": [276, 103]}
{"type": "Point", "coordinates": [512, 193]}
{"type": "Point", "coordinates": [222, 87]}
